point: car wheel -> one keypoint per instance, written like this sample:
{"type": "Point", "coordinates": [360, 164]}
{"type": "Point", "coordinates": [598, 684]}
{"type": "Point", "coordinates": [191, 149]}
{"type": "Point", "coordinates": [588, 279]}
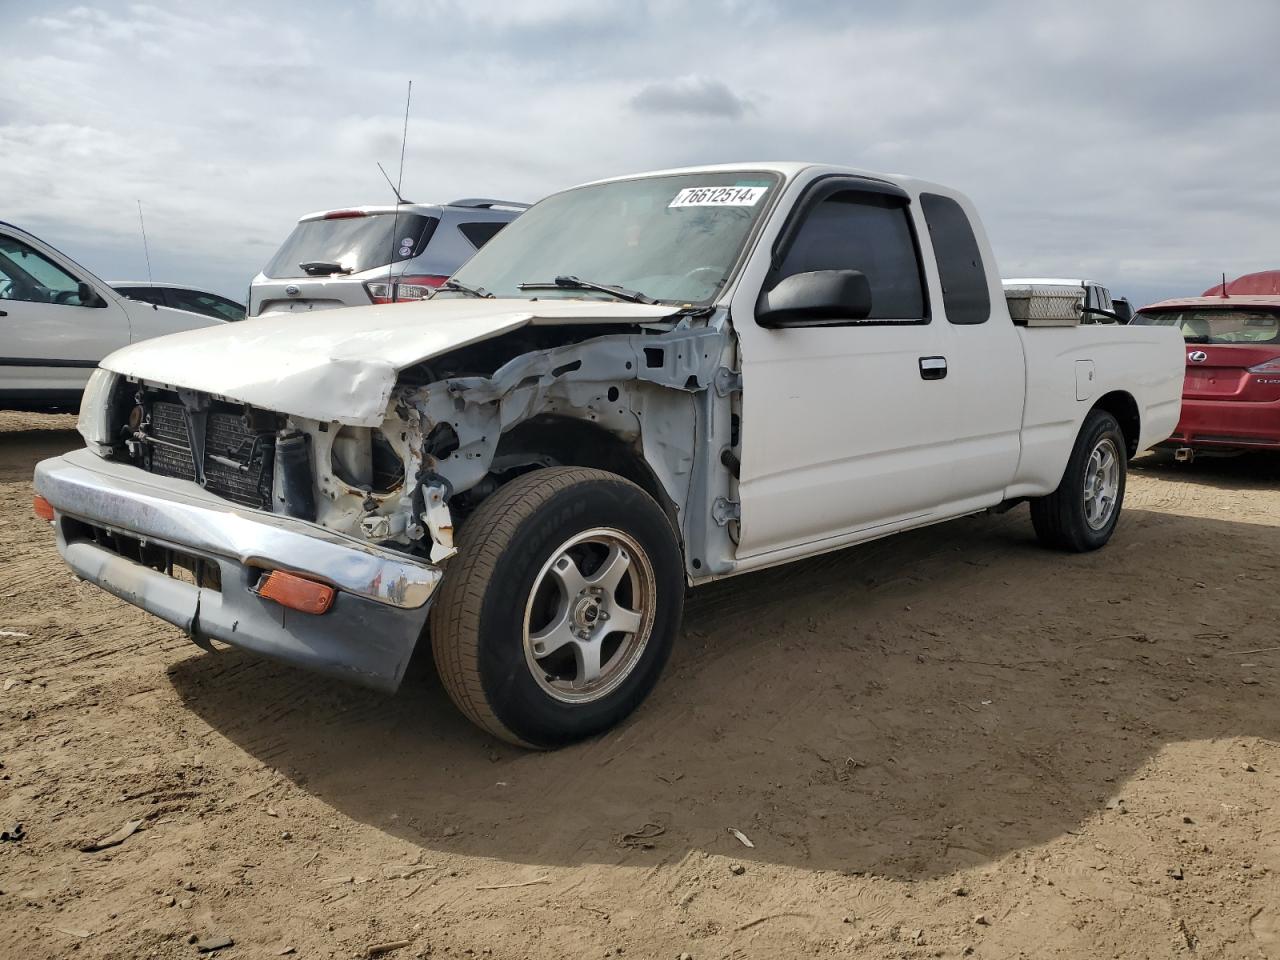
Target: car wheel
{"type": "Point", "coordinates": [1082, 513]}
{"type": "Point", "coordinates": [559, 611]}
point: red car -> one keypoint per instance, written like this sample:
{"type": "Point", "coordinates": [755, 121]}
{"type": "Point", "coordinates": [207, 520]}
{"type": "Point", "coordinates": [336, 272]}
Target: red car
{"type": "Point", "coordinates": [1231, 395]}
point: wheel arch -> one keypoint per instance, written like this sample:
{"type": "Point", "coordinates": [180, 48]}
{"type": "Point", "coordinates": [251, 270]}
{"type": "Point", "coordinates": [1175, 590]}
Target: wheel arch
{"type": "Point", "coordinates": [1121, 405]}
{"type": "Point", "coordinates": [574, 442]}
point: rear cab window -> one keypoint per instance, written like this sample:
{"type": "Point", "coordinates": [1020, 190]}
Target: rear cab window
{"type": "Point", "coordinates": [354, 242]}
{"type": "Point", "coordinates": [965, 296]}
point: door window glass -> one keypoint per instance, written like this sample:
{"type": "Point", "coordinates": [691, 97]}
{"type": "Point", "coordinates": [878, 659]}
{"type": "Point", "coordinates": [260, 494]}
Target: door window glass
{"type": "Point", "coordinates": [33, 277]}
{"type": "Point", "coordinates": [145, 294]}
{"type": "Point", "coordinates": [868, 232]}
{"type": "Point", "coordinates": [206, 303]}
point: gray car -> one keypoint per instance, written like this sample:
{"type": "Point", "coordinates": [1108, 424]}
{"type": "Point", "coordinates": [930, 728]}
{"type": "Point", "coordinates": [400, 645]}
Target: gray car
{"type": "Point", "coordinates": [375, 254]}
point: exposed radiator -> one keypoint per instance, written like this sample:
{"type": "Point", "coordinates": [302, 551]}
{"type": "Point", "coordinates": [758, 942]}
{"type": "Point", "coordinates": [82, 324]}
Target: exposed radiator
{"type": "Point", "coordinates": [237, 462]}
{"type": "Point", "coordinates": [168, 426]}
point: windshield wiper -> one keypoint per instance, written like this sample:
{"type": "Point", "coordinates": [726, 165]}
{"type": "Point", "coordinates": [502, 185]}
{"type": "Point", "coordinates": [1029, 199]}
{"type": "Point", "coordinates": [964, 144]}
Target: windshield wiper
{"type": "Point", "coordinates": [315, 268]}
{"type": "Point", "coordinates": [573, 283]}
{"type": "Point", "coordinates": [463, 288]}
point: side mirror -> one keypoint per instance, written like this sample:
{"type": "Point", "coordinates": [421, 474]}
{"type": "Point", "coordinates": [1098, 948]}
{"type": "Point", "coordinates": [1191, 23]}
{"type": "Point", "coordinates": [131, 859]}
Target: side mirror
{"type": "Point", "coordinates": [88, 296]}
{"type": "Point", "coordinates": [814, 297]}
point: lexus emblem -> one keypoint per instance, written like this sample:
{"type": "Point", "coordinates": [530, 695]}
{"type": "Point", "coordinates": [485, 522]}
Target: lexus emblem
{"type": "Point", "coordinates": [1197, 356]}
{"type": "Point", "coordinates": [292, 290]}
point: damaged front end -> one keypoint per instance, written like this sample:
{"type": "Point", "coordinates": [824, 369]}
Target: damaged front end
{"type": "Point", "coordinates": [648, 403]}
{"type": "Point", "coordinates": [188, 499]}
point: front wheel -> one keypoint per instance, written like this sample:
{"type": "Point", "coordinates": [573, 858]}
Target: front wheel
{"type": "Point", "coordinates": [559, 612]}
{"type": "Point", "coordinates": [1082, 513]}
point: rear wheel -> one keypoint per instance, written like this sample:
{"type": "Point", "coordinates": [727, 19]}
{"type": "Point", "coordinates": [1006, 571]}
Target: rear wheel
{"type": "Point", "coordinates": [558, 613]}
{"type": "Point", "coordinates": [1082, 513]}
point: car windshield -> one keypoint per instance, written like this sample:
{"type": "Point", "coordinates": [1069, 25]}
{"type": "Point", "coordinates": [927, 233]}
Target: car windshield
{"type": "Point", "coordinates": [1217, 324]}
{"type": "Point", "coordinates": [352, 243]}
{"type": "Point", "coordinates": [673, 238]}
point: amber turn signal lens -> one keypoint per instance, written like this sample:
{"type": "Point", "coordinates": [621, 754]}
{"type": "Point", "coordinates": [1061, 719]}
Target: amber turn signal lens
{"type": "Point", "coordinates": [296, 593]}
{"type": "Point", "coordinates": [42, 507]}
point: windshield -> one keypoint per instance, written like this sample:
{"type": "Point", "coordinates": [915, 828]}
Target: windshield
{"type": "Point", "coordinates": [674, 238]}
{"type": "Point", "coordinates": [1217, 325]}
{"type": "Point", "coordinates": [355, 244]}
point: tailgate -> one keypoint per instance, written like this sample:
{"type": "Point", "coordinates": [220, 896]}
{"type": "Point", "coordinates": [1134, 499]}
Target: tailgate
{"type": "Point", "coordinates": [1221, 372]}
{"type": "Point", "coordinates": [305, 295]}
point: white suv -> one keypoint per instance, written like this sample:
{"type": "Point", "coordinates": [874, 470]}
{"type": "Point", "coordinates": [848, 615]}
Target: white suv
{"type": "Point", "coordinates": [57, 320]}
{"type": "Point", "coordinates": [383, 254]}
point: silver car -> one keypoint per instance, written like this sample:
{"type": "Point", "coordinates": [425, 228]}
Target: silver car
{"type": "Point", "coordinates": [377, 254]}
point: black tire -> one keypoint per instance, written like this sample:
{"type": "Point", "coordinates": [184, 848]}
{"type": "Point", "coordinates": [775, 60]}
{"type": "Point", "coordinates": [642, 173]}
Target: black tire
{"type": "Point", "coordinates": [1061, 519]}
{"type": "Point", "coordinates": [505, 551]}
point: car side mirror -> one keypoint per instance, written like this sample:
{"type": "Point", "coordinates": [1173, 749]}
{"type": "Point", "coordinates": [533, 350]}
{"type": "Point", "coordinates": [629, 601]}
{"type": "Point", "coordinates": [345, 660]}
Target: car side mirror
{"type": "Point", "coordinates": [816, 296]}
{"type": "Point", "coordinates": [88, 296]}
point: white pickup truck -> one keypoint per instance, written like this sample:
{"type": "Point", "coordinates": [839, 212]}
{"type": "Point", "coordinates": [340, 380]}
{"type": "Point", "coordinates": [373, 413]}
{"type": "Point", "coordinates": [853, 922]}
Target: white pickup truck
{"type": "Point", "coordinates": [641, 384]}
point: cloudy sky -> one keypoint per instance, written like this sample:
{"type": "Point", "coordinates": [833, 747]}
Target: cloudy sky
{"type": "Point", "coordinates": [1135, 142]}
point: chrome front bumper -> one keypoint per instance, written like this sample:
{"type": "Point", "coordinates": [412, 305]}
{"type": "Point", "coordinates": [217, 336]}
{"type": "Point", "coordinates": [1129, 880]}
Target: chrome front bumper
{"type": "Point", "coordinates": [367, 636]}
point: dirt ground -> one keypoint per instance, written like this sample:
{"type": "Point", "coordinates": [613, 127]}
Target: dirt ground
{"type": "Point", "coordinates": [949, 743]}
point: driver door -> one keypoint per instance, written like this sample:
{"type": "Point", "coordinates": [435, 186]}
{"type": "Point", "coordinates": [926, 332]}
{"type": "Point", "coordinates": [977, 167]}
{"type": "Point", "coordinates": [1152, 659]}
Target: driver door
{"type": "Point", "coordinates": [846, 423]}
{"type": "Point", "coordinates": [49, 339]}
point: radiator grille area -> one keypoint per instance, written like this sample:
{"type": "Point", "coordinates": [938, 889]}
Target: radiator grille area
{"type": "Point", "coordinates": [237, 462]}
{"type": "Point", "coordinates": [227, 437]}
{"type": "Point", "coordinates": [168, 427]}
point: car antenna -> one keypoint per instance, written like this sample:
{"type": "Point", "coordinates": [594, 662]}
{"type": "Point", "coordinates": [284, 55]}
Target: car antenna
{"type": "Point", "coordinates": [145, 249]}
{"type": "Point", "coordinates": [395, 188]}
{"type": "Point", "coordinates": [399, 199]}
{"type": "Point", "coordinates": [1225, 296]}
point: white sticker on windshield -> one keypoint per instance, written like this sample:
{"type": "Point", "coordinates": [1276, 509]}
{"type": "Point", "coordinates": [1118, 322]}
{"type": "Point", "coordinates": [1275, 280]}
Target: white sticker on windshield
{"type": "Point", "coordinates": [718, 197]}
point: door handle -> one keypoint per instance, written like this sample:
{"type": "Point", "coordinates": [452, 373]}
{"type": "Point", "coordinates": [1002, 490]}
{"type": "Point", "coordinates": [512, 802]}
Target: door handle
{"type": "Point", "coordinates": [933, 368]}
{"type": "Point", "coordinates": [4, 313]}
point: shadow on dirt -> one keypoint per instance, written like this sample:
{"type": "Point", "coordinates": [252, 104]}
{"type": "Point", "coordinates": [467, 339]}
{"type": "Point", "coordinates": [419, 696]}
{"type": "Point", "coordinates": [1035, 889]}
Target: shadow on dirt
{"type": "Point", "coordinates": [21, 450]}
{"type": "Point", "coordinates": [1234, 472]}
{"type": "Point", "coordinates": [905, 708]}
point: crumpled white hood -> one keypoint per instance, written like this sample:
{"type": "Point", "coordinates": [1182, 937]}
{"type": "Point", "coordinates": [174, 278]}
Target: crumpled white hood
{"type": "Point", "coordinates": [341, 365]}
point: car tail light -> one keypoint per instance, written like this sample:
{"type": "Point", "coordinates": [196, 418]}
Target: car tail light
{"type": "Point", "coordinates": [416, 287]}
{"type": "Point", "coordinates": [41, 507]}
{"type": "Point", "coordinates": [403, 289]}
{"type": "Point", "coordinates": [379, 291]}
{"type": "Point", "coordinates": [296, 593]}
{"type": "Point", "coordinates": [343, 214]}
{"type": "Point", "coordinates": [1267, 366]}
